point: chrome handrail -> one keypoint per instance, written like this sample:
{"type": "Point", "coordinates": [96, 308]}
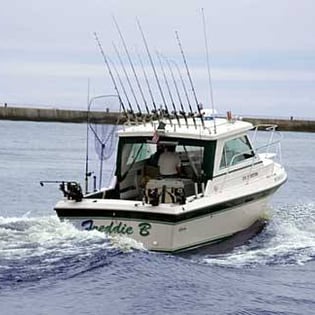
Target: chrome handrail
{"type": "Point", "coordinates": [271, 142]}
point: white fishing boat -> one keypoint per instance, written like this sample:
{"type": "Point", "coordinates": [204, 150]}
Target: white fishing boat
{"type": "Point", "coordinates": [182, 180]}
{"type": "Point", "coordinates": [223, 186]}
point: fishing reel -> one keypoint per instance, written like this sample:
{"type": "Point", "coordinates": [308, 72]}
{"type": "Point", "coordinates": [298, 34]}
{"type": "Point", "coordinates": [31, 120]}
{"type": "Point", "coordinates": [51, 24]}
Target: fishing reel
{"type": "Point", "coordinates": [153, 197]}
{"type": "Point", "coordinates": [71, 190]}
{"type": "Point", "coordinates": [180, 196]}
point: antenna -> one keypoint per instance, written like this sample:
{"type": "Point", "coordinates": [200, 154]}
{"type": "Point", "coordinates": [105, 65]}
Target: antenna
{"type": "Point", "coordinates": [208, 67]}
{"type": "Point", "coordinates": [112, 77]}
{"type": "Point", "coordinates": [168, 88]}
{"type": "Point", "coordinates": [131, 65]}
{"type": "Point", "coordinates": [154, 71]}
{"type": "Point", "coordinates": [190, 80]}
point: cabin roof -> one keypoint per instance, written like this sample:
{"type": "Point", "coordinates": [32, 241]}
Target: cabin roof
{"type": "Point", "coordinates": [222, 128]}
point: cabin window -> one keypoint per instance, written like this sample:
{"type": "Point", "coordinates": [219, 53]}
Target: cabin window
{"type": "Point", "coordinates": [196, 155]}
{"type": "Point", "coordinates": [191, 159]}
{"type": "Point", "coordinates": [136, 152]}
{"type": "Point", "coordinates": [236, 151]}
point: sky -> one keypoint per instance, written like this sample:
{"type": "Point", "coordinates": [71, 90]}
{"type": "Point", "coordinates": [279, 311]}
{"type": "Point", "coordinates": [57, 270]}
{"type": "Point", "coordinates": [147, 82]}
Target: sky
{"type": "Point", "coordinates": [261, 53]}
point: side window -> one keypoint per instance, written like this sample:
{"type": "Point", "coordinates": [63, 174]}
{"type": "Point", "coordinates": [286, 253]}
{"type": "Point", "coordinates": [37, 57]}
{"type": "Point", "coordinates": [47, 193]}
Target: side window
{"type": "Point", "coordinates": [236, 151]}
{"type": "Point", "coordinates": [191, 159]}
{"type": "Point", "coordinates": [139, 152]}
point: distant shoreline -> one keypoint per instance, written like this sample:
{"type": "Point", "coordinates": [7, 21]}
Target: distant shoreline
{"type": "Point", "coordinates": [80, 116]}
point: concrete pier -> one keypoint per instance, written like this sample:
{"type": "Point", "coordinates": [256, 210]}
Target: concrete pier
{"type": "Point", "coordinates": [55, 115]}
{"type": "Point", "coordinates": [80, 116]}
{"type": "Point", "coordinates": [285, 124]}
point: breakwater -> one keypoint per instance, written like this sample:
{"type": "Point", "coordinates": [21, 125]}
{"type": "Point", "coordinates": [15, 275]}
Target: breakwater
{"type": "Point", "coordinates": [80, 116]}
{"type": "Point", "coordinates": [56, 115]}
{"type": "Point", "coordinates": [285, 124]}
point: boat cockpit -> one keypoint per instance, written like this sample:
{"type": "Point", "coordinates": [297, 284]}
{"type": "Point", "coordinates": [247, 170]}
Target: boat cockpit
{"type": "Point", "coordinates": [138, 173]}
{"type": "Point", "coordinates": [138, 176]}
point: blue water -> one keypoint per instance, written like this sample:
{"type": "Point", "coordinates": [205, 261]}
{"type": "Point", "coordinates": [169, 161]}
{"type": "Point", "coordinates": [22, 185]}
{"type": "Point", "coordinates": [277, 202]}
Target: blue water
{"type": "Point", "coordinates": [49, 267]}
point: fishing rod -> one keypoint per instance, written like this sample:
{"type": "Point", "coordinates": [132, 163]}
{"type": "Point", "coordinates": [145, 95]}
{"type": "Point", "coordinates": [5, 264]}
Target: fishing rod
{"type": "Point", "coordinates": [70, 189]}
{"type": "Point", "coordinates": [168, 88]}
{"type": "Point", "coordinates": [112, 77]}
{"type": "Point", "coordinates": [131, 65]}
{"type": "Point", "coordinates": [148, 85]}
{"type": "Point", "coordinates": [154, 71]}
{"type": "Point", "coordinates": [177, 92]}
{"type": "Point", "coordinates": [186, 93]}
{"type": "Point", "coordinates": [190, 80]}
{"type": "Point", "coordinates": [131, 111]}
{"type": "Point", "coordinates": [128, 80]}
{"type": "Point", "coordinates": [208, 67]}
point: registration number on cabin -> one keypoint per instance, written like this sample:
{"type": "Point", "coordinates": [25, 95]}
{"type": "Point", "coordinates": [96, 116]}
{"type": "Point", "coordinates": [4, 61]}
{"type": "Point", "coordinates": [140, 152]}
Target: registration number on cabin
{"type": "Point", "coordinates": [249, 176]}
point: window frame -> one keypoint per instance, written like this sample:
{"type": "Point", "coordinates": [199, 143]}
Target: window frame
{"type": "Point", "coordinates": [208, 154]}
{"type": "Point", "coordinates": [244, 155]}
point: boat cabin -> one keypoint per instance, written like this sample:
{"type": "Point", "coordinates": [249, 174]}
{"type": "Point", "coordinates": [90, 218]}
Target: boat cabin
{"type": "Point", "coordinates": [138, 175]}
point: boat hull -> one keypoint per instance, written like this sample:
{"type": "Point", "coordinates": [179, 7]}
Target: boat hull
{"type": "Point", "coordinates": [187, 234]}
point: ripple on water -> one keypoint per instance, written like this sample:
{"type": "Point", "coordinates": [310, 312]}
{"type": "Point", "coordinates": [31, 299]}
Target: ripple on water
{"type": "Point", "coordinates": [35, 248]}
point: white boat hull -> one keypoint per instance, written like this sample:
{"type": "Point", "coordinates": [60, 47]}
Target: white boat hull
{"type": "Point", "coordinates": [183, 235]}
{"type": "Point", "coordinates": [173, 214]}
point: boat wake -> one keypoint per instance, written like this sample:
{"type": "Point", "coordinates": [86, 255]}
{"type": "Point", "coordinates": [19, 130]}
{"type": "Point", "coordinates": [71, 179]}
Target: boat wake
{"type": "Point", "coordinates": [32, 249]}
{"type": "Point", "coordinates": [288, 239]}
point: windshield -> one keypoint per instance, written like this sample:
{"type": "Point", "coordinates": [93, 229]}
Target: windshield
{"type": "Point", "coordinates": [236, 151]}
{"type": "Point", "coordinates": [196, 156]}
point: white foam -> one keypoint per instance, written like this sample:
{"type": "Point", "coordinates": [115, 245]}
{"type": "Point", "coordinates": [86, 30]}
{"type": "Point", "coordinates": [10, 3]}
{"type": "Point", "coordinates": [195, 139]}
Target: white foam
{"type": "Point", "coordinates": [126, 244]}
{"type": "Point", "coordinates": [50, 238]}
{"type": "Point", "coordinates": [21, 237]}
{"type": "Point", "coordinates": [288, 239]}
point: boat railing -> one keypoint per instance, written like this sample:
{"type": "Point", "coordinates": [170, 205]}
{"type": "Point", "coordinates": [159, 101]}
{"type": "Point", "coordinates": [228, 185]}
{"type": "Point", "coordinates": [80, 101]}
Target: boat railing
{"type": "Point", "coordinates": [272, 143]}
{"type": "Point", "coordinates": [272, 150]}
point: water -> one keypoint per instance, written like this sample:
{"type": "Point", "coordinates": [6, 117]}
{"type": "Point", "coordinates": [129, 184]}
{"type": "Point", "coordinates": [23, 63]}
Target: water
{"type": "Point", "coordinates": [49, 267]}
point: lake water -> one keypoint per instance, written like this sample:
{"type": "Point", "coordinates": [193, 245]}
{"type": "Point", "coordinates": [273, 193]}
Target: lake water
{"type": "Point", "coordinates": [49, 267]}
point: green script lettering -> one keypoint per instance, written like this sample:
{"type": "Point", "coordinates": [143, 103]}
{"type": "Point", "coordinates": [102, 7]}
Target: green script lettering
{"type": "Point", "coordinates": [144, 229]}
{"type": "Point", "coordinates": [119, 228]}
{"type": "Point", "coordinates": [112, 228]}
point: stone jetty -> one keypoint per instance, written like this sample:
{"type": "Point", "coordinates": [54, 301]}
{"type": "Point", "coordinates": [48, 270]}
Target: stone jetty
{"type": "Point", "coordinates": [80, 116]}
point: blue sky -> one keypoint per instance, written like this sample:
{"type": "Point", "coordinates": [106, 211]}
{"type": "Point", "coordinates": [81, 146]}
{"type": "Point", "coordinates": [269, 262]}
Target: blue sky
{"type": "Point", "coordinates": [262, 53]}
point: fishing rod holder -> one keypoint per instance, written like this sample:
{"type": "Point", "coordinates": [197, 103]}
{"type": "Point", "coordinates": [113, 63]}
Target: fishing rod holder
{"type": "Point", "coordinates": [70, 189]}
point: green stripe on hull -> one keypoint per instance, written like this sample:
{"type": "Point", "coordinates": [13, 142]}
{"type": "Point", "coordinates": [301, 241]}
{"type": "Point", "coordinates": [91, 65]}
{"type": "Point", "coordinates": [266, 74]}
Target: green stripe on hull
{"type": "Point", "coordinates": [162, 217]}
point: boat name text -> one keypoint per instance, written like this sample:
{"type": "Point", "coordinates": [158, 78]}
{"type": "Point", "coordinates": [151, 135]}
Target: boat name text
{"type": "Point", "coordinates": [117, 228]}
